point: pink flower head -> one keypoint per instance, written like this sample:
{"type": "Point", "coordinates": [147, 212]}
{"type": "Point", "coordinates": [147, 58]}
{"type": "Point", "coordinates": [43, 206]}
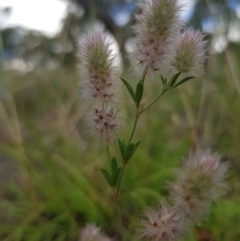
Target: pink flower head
{"type": "Point", "coordinates": [163, 225]}
{"type": "Point", "coordinates": [156, 30]}
{"type": "Point", "coordinates": [92, 233]}
{"type": "Point", "coordinates": [190, 53]}
{"type": "Point", "coordinates": [98, 74]}
{"type": "Point", "coordinates": [100, 85]}
{"type": "Point", "coordinates": [104, 122]}
{"type": "Point", "coordinates": [200, 182]}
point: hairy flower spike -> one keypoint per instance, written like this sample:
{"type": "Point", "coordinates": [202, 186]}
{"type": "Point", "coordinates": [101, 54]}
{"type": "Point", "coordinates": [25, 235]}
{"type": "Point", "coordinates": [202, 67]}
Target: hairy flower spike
{"type": "Point", "coordinates": [163, 225]}
{"type": "Point", "coordinates": [100, 85]}
{"type": "Point", "coordinates": [104, 122]}
{"type": "Point", "coordinates": [92, 233]}
{"type": "Point", "coordinates": [190, 53]}
{"type": "Point", "coordinates": [98, 74]}
{"type": "Point", "coordinates": [200, 182]}
{"type": "Point", "coordinates": [156, 30]}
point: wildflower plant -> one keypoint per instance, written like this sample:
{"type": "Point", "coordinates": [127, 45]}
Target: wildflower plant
{"type": "Point", "coordinates": [162, 46]}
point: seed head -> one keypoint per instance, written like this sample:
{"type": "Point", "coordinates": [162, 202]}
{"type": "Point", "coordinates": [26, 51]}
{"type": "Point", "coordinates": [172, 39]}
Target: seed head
{"type": "Point", "coordinates": [190, 53]}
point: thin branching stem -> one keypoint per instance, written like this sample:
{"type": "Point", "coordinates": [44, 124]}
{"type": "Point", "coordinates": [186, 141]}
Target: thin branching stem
{"type": "Point", "coordinates": [118, 198]}
{"type": "Point", "coordinates": [134, 127]}
{"type": "Point", "coordinates": [161, 94]}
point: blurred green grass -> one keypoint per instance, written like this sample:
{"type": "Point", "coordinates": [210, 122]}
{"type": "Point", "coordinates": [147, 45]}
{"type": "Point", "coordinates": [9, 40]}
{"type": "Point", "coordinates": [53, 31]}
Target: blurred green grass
{"type": "Point", "coordinates": [50, 180]}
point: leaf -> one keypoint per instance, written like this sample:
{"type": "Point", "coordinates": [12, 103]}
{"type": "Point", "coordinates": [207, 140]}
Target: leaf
{"type": "Point", "coordinates": [139, 92]}
{"type": "Point", "coordinates": [136, 145]}
{"type": "Point", "coordinates": [174, 79]}
{"type": "Point", "coordinates": [129, 150]}
{"type": "Point", "coordinates": [107, 176]}
{"type": "Point", "coordinates": [163, 80]}
{"type": "Point", "coordinates": [114, 165]}
{"type": "Point", "coordinates": [121, 145]}
{"type": "Point", "coordinates": [115, 171]}
{"type": "Point", "coordinates": [129, 88]}
{"type": "Point", "coordinates": [116, 177]}
{"type": "Point", "coordinates": [182, 81]}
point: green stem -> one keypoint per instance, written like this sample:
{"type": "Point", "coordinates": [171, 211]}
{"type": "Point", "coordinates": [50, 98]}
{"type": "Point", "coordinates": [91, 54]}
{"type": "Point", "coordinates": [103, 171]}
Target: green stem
{"type": "Point", "coordinates": [117, 199]}
{"type": "Point", "coordinates": [124, 165]}
{"type": "Point", "coordinates": [119, 217]}
{"type": "Point", "coordinates": [134, 127]}
{"type": "Point", "coordinates": [119, 182]}
{"type": "Point", "coordinates": [108, 154]}
{"type": "Point", "coordinates": [161, 94]}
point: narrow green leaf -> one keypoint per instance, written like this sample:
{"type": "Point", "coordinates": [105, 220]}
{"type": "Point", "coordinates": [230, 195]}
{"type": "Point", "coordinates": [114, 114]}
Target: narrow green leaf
{"type": "Point", "coordinates": [121, 145]}
{"type": "Point", "coordinates": [129, 88]}
{"type": "Point", "coordinates": [142, 80]}
{"type": "Point", "coordinates": [136, 145]}
{"type": "Point", "coordinates": [107, 176]}
{"type": "Point", "coordinates": [116, 177]}
{"type": "Point", "coordinates": [183, 81]}
{"type": "Point", "coordinates": [114, 165]}
{"type": "Point", "coordinates": [129, 150]}
{"type": "Point", "coordinates": [174, 79]}
{"type": "Point", "coordinates": [139, 92]}
{"type": "Point", "coordinates": [163, 80]}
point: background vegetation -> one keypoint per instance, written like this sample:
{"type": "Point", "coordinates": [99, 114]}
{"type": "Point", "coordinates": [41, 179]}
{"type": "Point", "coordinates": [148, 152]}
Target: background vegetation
{"type": "Point", "coordinates": [49, 167]}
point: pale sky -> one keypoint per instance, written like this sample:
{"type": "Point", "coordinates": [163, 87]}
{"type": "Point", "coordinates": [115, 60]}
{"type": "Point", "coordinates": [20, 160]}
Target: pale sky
{"type": "Point", "coordinates": [35, 14]}
{"type": "Point", "coordinates": [39, 15]}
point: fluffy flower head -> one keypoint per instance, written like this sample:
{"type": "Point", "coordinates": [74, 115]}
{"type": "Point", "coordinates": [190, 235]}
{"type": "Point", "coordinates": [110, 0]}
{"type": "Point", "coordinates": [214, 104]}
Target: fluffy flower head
{"type": "Point", "coordinates": [155, 31]}
{"type": "Point", "coordinates": [190, 53]}
{"type": "Point", "coordinates": [98, 74]}
{"type": "Point", "coordinates": [159, 18]}
{"type": "Point", "coordinates": [200, 182]}
{"type": "Point", "coordinates": [104, 122]}
{"type": "Point", "coordinates": [92, 233]}
{"type": "Point", "coordinates": [163, 225]}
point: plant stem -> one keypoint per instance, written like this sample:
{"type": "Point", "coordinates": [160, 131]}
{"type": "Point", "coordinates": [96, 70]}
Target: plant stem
{"type": "Point", "coordinates": [119, 216]}
{"type": "Point", "coordinates": [134, 127]}
{"type": "Point", "coordinates": [117, 198]}
{"type": "Point", "coordinates": [119, 182]}
{"type": "Point", "coordinates": [137, 114]}
{"type": "Point", "coordinates": [161, 94]}
{"type": "Point", "coordinates": [124, 165]}
{"type": "Point", "coordinates": [108, 154]}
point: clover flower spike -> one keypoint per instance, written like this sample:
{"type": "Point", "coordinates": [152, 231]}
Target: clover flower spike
{"type": "Point", "coordinates": [99, 76]}
{"type": "Point", "coordinates": [104, 122]}
{"type": "Point", "coordinates": [163, 225]}
{"type": "Point", "coordinates": [156, 30]}
{"type": "Point", "coordinates": [92, 233]}
{"type": "Point", "coordinates": [198, 184]}
{"type": "Point", "coordinates": [190, 53]}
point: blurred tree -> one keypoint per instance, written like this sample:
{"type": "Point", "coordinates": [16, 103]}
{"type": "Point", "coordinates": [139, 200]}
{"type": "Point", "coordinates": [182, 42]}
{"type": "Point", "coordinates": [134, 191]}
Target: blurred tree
{"type": "Point", "coordinates": [4, 13]}
{"type": "Point", "coordinates": [204, 10]}
{"type": "Point", "coordinates": [220, 18]}
{"type": "Point", "coordinates": [117, 17]}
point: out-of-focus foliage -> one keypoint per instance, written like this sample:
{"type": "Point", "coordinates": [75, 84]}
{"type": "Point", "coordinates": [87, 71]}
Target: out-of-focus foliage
{"type": "Point", "coordinates": [220, 18]}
